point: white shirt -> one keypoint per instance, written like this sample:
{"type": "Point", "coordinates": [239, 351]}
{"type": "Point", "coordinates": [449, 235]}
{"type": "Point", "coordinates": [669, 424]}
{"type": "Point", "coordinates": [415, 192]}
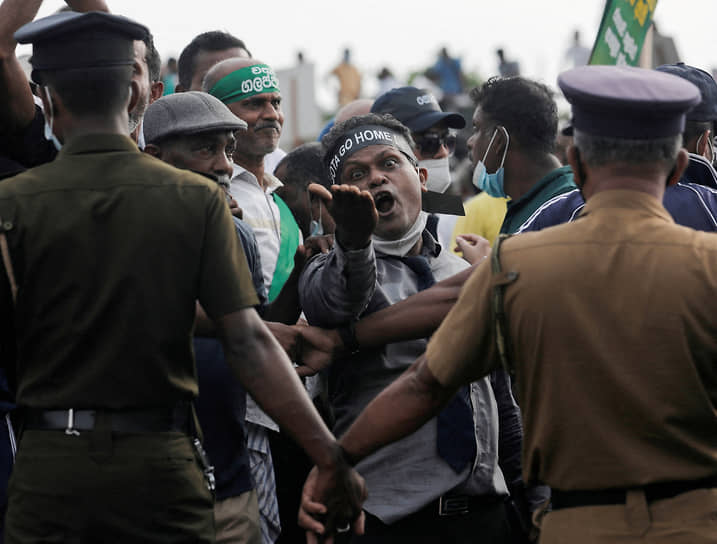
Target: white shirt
{"type": "Point", "coordinates": [261, 213]}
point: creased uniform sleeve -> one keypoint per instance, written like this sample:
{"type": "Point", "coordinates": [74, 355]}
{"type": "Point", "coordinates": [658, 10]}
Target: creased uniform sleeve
{"type": "Point", "coordinates": [336, 287]}
{"type": "Point", "coordinates": [463, 348]}
{"type": "Point", "coordinates": [225, 284]}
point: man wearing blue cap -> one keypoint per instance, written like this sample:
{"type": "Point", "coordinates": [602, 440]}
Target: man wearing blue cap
{"type": "Point", "coordinates": [105, 252]}
{"type": "Point", "coordinates": [604, 323]}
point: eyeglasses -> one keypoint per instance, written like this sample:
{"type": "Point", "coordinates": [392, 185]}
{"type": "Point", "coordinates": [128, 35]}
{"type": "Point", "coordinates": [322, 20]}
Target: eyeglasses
{"type": "Point", "coordinates": [429, 143]}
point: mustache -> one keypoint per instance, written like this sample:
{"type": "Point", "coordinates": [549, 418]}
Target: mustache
{"type": "Point", "coordinates": [268, 124]}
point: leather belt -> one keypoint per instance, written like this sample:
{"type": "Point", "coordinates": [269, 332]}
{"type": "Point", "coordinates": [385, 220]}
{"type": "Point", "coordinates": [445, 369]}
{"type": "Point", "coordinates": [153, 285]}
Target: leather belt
{"type": "Point", "coordinates": [125, 421]}
{"type": "Point", "coordinates": [458, 505]}
{"type": "Point", "coordinates": [653, 492]}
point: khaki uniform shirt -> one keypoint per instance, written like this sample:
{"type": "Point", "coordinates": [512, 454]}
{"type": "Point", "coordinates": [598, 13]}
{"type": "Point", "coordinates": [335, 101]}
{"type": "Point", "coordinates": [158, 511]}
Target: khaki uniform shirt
{"type": "Point", "coordinates": [111, 248]}
{"type": "Point", "coordinates": [613, 325]}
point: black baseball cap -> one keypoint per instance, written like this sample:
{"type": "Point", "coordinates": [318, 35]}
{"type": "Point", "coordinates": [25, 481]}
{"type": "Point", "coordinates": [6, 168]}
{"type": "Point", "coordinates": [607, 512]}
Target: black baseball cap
{"type": "Point", "coordinates": [416, 108]}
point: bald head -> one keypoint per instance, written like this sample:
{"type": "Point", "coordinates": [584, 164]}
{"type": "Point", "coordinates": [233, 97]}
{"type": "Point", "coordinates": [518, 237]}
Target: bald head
{"type": "Point", "coordinates": [224, 68]}
{"type": "Point", "coordinates": [361, 106]}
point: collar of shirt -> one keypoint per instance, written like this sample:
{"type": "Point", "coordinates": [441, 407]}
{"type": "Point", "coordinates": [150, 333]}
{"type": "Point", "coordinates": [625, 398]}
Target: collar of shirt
{"type": "Point", "coordinates": [98, 143]}
{"type": "Point", "coordinates": [271, 181]}
{"type": "Point", "coordinates": [554, 183]}
{"type": "Point", "coordinates": [637, 201]}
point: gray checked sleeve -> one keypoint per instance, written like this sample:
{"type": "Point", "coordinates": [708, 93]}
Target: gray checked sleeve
{"type": "Point", "coordinates": [336, 287]}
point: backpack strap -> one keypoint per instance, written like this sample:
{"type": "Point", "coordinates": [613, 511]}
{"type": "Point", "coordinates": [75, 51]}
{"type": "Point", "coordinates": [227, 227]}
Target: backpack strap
{"type": "Point", "coordinates": [500, 281]}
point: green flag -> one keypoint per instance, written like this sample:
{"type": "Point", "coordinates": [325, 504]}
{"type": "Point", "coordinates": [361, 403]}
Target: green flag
{"type": "Point", "coordinates": [622, 32]}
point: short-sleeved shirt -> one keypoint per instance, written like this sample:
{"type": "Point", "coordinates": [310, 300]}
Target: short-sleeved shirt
{"type": "Point", "coordinates": [111, 248]}
{"type": "Point", "coordinates": [614, 345]}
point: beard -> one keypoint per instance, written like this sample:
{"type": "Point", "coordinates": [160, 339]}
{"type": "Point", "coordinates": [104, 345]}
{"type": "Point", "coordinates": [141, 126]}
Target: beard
{"type": "Point", "coordinates": [136, 115]}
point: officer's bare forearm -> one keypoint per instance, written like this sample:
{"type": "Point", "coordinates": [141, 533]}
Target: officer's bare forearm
{"type": "Point", "coordinates": [409, 402]}
{"type": "Point", "coordinates": [417, 316]}
{"type": "Point", "coordinates": [265, 371]}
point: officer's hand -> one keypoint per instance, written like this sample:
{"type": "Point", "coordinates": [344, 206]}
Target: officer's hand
{"type": "Point", "coordinates": [331, 503]}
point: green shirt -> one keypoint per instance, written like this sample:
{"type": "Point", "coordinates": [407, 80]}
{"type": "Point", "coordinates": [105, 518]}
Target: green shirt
{"type": "Point", "coordinates": [557, 182]}
{"type": "Point", "coordinates": [111, 249]}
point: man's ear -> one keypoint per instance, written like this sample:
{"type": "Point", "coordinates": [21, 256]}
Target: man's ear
{"type": "Point", "coordinates": [423, 177]}
{"type": "Point", "coordinates": [156, 91]}
{"type": "Point", "coordinates": [703, 144]}
{"type": "Point", "coordinates": [681, 162]}
{"type": "Point", "coordinates": [153, 149]}
{"type": "Point", "coordinates": [500, 142]}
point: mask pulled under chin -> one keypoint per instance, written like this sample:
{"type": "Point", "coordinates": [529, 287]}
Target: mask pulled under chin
{"type": "Point", "coordinates": [439, 174]}
{"type": "Point", "coordinates": [401, 247]}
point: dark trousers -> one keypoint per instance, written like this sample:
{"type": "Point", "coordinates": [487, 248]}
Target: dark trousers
{"type": "Point", "coordinates": [486, 524]}
{"type": "Point", "coordinates": [105, 487]}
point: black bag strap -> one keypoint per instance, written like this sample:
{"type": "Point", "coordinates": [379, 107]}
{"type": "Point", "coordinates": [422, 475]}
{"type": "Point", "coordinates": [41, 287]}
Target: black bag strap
{"type": "Point", "coordinates": [6, 260]}
{"type": "Point", "coordinates": [500, 281]}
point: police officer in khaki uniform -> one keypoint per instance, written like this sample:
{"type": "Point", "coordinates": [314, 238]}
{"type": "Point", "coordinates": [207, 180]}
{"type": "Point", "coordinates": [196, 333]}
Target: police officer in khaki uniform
{"type": "Point", "coordinates": [110, 249]}
{"type": "Point", "coordinates": [609, 327]}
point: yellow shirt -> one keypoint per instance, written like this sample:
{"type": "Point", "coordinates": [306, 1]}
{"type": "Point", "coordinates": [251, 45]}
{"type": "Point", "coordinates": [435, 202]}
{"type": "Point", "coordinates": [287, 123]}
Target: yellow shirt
{"type": "Point", "coordinates": [484, 216]}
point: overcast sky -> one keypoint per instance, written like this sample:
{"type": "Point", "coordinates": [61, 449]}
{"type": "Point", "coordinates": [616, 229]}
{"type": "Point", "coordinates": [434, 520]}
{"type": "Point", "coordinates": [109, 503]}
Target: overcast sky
{"type": "Point", "coordinates": [405, 35]}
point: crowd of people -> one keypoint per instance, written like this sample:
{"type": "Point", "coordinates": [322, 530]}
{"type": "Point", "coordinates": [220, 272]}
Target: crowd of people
{"type": "Point", "coordinates": [205, 338]}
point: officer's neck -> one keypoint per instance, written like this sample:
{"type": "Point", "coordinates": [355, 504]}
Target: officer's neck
{"type": "Point", "coordinates": [76, 126]}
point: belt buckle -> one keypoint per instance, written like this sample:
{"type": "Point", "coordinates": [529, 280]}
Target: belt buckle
{"type": "Point", "coordinates": [453, 505]}
{"type": "Point", "coordinates": [70, 430]}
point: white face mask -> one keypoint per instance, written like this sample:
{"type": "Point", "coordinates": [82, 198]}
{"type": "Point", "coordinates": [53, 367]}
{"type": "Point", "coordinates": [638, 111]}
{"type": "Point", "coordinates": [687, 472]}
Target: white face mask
{"type": "Point", "coordinates": [49, 134]}
{"type": "Point", "coordinates": [400, 247]}
{"type": "Point", "coordinates": [439, 174]}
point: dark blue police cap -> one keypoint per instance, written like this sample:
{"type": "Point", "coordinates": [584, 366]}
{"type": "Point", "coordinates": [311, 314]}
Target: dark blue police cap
{"type": "Point", "coordinates": [706, 110]}
{"type": "Point", "coordinates": [71, 40]}
{"type": "Point", "coordinates": [416, 108]}
{"type": "Point", "coordinates": [629, 103]}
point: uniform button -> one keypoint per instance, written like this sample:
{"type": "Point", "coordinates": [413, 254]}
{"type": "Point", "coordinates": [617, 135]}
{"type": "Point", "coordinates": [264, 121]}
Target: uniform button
{"type": "Point", "coordinates": [512, 275]}
{"type": "Point", "coordinates": [7, 225]}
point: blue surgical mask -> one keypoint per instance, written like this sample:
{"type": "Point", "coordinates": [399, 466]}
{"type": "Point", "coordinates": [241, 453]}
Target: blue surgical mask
{"type": "Point", "coordinates": [492, 183]}
{"type": "Point", "coordinates": [49, 135]}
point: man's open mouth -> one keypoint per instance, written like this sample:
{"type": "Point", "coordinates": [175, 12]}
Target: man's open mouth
{"type": "Point", "coordinates": [384, 202]}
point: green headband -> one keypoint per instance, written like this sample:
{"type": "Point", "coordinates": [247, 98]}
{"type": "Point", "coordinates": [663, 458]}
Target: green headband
{"type": "Point", "coordinates": [245, 82]}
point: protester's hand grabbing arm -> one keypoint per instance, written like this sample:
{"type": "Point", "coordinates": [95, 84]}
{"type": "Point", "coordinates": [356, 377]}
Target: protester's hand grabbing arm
{"type": "Point", "coordinates": [318, 349]}
{"type": "Point", "coordinates": [475, 248]}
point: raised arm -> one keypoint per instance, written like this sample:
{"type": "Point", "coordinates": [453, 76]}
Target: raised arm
{"type": "Point", "coordinates": [17, 108]}
{"type": "Point", "coordinates": [336, 287]}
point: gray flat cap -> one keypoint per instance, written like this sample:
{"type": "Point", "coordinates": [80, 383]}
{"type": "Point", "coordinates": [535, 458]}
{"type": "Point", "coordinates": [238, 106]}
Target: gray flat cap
{"type": "Point", "coordinates": [191, 112]}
